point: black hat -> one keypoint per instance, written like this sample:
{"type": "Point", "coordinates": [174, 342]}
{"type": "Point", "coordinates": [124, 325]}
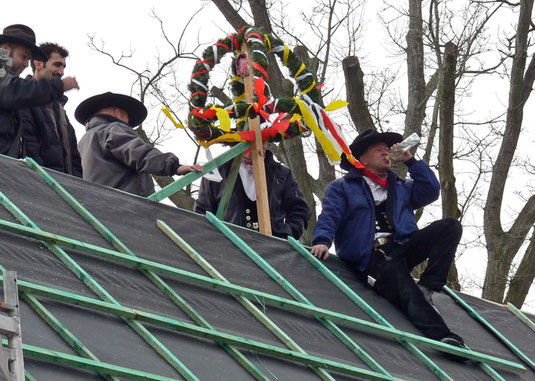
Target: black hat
{"type": "Point", "coordinates": [367, 139]}
{"type": "Point", "coordinates": [136, 111]}
{"type": "Point", "coordinates": [22, 35]}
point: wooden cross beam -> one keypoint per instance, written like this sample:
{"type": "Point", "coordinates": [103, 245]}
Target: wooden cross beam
{"type": "Point", "coordinates": [257, 152]}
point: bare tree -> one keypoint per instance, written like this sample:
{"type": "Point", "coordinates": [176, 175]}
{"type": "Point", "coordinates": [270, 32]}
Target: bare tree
{"type": "Point", "coordinates": [149, 85]}
{"type": "Point", "coordinates": [503, 246]}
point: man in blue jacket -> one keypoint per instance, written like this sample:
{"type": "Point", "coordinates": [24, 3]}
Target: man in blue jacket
{"type": "Point", "coordinates": [370, 215]}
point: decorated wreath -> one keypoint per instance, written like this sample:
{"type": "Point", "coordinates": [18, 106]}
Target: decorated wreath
{"type": "Point", "coordinates": [282, 118]}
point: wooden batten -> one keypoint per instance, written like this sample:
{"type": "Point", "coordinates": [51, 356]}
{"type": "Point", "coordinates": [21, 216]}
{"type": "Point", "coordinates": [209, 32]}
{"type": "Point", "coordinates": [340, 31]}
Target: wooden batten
{"type": "Point", "coordinates": [257, 154]}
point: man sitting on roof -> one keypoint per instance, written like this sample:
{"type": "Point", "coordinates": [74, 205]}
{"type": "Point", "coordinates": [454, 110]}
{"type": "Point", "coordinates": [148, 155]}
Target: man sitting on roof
{"type": "Point", "coordinates": [370, 215]}
{"type": "Point", "coordinates": [113, 154]}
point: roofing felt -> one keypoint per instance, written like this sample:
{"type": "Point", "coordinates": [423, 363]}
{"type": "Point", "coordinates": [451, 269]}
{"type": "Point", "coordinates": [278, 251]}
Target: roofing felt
{"type": "Point", "coordinates": [72, 276]}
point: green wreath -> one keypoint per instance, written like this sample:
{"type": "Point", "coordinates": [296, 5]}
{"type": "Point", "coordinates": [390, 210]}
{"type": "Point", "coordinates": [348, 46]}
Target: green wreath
{"type": "Point", "coordinates": [202, 117]}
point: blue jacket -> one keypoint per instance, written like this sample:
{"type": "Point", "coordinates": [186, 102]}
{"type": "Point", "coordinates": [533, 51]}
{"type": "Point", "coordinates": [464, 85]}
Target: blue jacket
{"type": "Point", "coordinates": [348, 213]}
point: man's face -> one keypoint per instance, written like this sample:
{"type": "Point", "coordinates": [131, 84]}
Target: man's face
{"type": "Point", "coordinates": [21, 56]}
{"type": "Point", "coordinates": [53, 68]}
{"type": "Point", "coordinates": [375, 158]}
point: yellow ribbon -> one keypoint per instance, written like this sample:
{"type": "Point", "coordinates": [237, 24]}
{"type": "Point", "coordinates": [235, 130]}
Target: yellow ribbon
{"type": "Point", "coordinates": [224, 118]}
{"type": "Point", "coordinates": [170, 116]}
{"type": "Point", "coordinates": [285, 55]}
{"type": "Point", "coordinates": [240, 97]}
{"type": "Point", "coordinates": [310, 121]}
{"type": "Point", "coordinates": [335, 105]}
{"type": "Point", "coordinates": [268, 42]}
{"type": "Point", "coordinates": [300, 70]}
{"type": "Point", "coordinates": [308, 88]}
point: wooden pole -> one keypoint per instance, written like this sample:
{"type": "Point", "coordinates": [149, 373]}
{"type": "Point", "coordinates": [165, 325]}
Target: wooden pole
{"type": "Point", "coordinates": [257, 153]}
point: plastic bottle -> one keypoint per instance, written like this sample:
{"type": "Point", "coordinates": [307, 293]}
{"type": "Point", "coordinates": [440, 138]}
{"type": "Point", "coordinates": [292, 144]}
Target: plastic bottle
{"type": "Point", "coordinates": [412, 140]}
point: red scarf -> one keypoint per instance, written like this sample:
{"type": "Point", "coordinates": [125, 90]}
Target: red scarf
{"type": "Point", "coordinates": [372, 176]}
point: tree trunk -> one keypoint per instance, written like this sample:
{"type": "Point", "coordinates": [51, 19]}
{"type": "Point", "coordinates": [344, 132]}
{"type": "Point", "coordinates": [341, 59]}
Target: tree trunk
{"type": "Point", "coordinates": [358, 107]}
{"type": "Point", "coordinates": [523, 278]}
{"type": "Point", "coordinates": [445, 157]}
{"type": "Point", "coordinates": [415, 70]}
{"type": "Point", "coordinates": [503, 246]}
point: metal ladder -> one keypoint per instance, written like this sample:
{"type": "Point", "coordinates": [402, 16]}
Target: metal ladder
{"type": "Point", "coordinates": [11, 358]}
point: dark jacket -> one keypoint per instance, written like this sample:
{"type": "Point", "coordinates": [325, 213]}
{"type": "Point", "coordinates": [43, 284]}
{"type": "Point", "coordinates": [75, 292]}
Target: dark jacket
{"type": "Point", "coordinates": [114, 155]}
{"type": "Point", "coordinates": [348, 212]}
{"type": "Point", "coordinates": [288, 209]}
{"type": "Point", "coordinates": [44, 141]}
{"type": "Point", "coordinates": [16, 94]}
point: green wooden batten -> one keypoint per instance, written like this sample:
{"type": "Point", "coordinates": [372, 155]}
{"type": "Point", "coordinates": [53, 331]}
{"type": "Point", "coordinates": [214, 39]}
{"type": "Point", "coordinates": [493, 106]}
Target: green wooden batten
{"type": "Point", "coordinates": [61, 358]}
{"type": "Point", "coordinates": [231, 180]}
{"type": "Point", "coordinates": [474, 314]}
{"type": "Point", "coordinates": [522, 316]}
{"type": "Point", "coordinates": [370, 311]}
{"type": "Point", "coordinates": [154, 278]}
{"type": "Point", "coordinates": [192, 176]}
{"type": "Point", "coordinates": [101, 292]}
{"type": "Point", "coordinates": [59, 328]}
{"type": "Point", "coordinates": [255, 311]}
{"type": "Point", "coordinates": [229, 186]}
{"type": "Point", "coordinates": [255, 295]}
{"type": "Point", "coordinates": [191, 329]}
{"type": "Point", "coordinates": [295, 293]}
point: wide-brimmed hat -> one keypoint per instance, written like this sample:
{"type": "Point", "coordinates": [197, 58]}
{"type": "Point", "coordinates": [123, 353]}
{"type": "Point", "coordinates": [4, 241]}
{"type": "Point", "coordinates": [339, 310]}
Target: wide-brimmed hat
{"type": "Point", "coordinates": [136, 111]}
{"type": "Point", "coordinates": [367, 139]}
{"type": "Point", "coordinates": [22, 35]}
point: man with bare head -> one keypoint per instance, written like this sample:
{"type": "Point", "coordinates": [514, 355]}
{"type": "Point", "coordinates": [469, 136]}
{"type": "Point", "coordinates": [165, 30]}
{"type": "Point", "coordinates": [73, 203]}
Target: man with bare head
{"type": "Point", "coordinates": [49, 137]}
{"type": "Point", "coordinates": [16, 93]}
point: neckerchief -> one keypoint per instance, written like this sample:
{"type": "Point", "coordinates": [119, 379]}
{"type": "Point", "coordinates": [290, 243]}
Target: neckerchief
{"type": "Point", "coordinates": [375, 178]}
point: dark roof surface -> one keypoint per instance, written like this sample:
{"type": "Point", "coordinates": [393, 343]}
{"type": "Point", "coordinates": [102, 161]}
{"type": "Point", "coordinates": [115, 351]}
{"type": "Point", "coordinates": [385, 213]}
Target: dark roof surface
{"type": "Point", "coordinates": [133, 221]}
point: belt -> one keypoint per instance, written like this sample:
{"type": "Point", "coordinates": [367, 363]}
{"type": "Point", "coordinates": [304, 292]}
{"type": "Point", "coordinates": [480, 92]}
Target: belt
{"type": "Point", "coordinates": [381, 241]}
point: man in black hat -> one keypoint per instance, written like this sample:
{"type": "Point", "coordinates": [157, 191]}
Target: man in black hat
{"type": "Point", "coordinates": [113, 154]}
{"type": "Point", "coordinates": [49, 137]}
{"type": "Point", "coordinates": [370, 215]}
{"type": "Point", "coordinates": [17, 93]}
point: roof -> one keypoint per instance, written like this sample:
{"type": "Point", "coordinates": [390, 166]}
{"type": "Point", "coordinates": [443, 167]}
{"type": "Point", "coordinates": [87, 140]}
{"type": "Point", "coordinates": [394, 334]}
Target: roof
{"type": "Point", "coordinates": [110, 273]}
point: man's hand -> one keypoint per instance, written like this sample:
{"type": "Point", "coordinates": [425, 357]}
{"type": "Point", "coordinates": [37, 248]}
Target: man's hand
{"type": "Point", "coordinates": [320, 251]}
{"type": "Point", "coordinates": [70, 83]}
{"type": "Point", "coordinates": [183, 169]}
{"type": "Point", "coordinates": [403, 158]}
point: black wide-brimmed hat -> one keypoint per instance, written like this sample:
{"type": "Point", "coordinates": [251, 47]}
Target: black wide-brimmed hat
{"type": "Point", "coordinates": [22, 35]}
{"type": "Point", "coordinates": [136, 111]}
{"type": "Point", "coordinates": [367, 139]}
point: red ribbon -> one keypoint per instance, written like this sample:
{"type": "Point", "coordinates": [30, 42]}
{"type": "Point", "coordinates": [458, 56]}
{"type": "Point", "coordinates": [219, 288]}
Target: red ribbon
{"type": "Point", "coordinates": [206, 114]}
{"type": "Point", "coordinates": [205, 62]}
{"type": "Point", "coordinates": [259, 67]}
{"type": "Point", "coordinates": [235, 42]}
{"type": "Point", "coordinates": [338, 138]}
{"type": "Point", "coordinates": [254, 35]}
{"type": "Point", "coordinates": [198, 73]}
{"type": "Point", "coordinates": [223, 45]}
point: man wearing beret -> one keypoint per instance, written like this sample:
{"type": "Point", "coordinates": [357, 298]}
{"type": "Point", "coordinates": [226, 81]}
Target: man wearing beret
{"type": "Point", "coordinates": [113, 154]}
{"type": "Point", "coordinates": [370, 215]}
{"type": "Point", "coordinates": [17, 93]}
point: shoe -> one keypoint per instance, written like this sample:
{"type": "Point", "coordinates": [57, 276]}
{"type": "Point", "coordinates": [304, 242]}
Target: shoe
{"type": "Point", "coordinates": [455, 341]}
{"type": "Point", "coordinates": [428, 295]}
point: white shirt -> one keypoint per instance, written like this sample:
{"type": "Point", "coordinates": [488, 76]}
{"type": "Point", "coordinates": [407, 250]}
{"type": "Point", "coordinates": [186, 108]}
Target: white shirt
{"type": "Point", "coordinates": [379, 194]}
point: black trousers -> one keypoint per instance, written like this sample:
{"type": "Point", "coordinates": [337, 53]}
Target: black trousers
{"type": "Point", "coordinates": [390, 265]}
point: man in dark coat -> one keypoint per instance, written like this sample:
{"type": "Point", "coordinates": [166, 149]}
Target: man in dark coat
{"type": "Point", "coordinates": [288, 209]}
{"type": "Point", "coordinates": [113, 154]}
{"type": "Point", "coordinates": [370, 215]}
{"type": "Point", "coordinates": [49, 137]}
{"type": "Point", "coordinates": [17, 93]}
